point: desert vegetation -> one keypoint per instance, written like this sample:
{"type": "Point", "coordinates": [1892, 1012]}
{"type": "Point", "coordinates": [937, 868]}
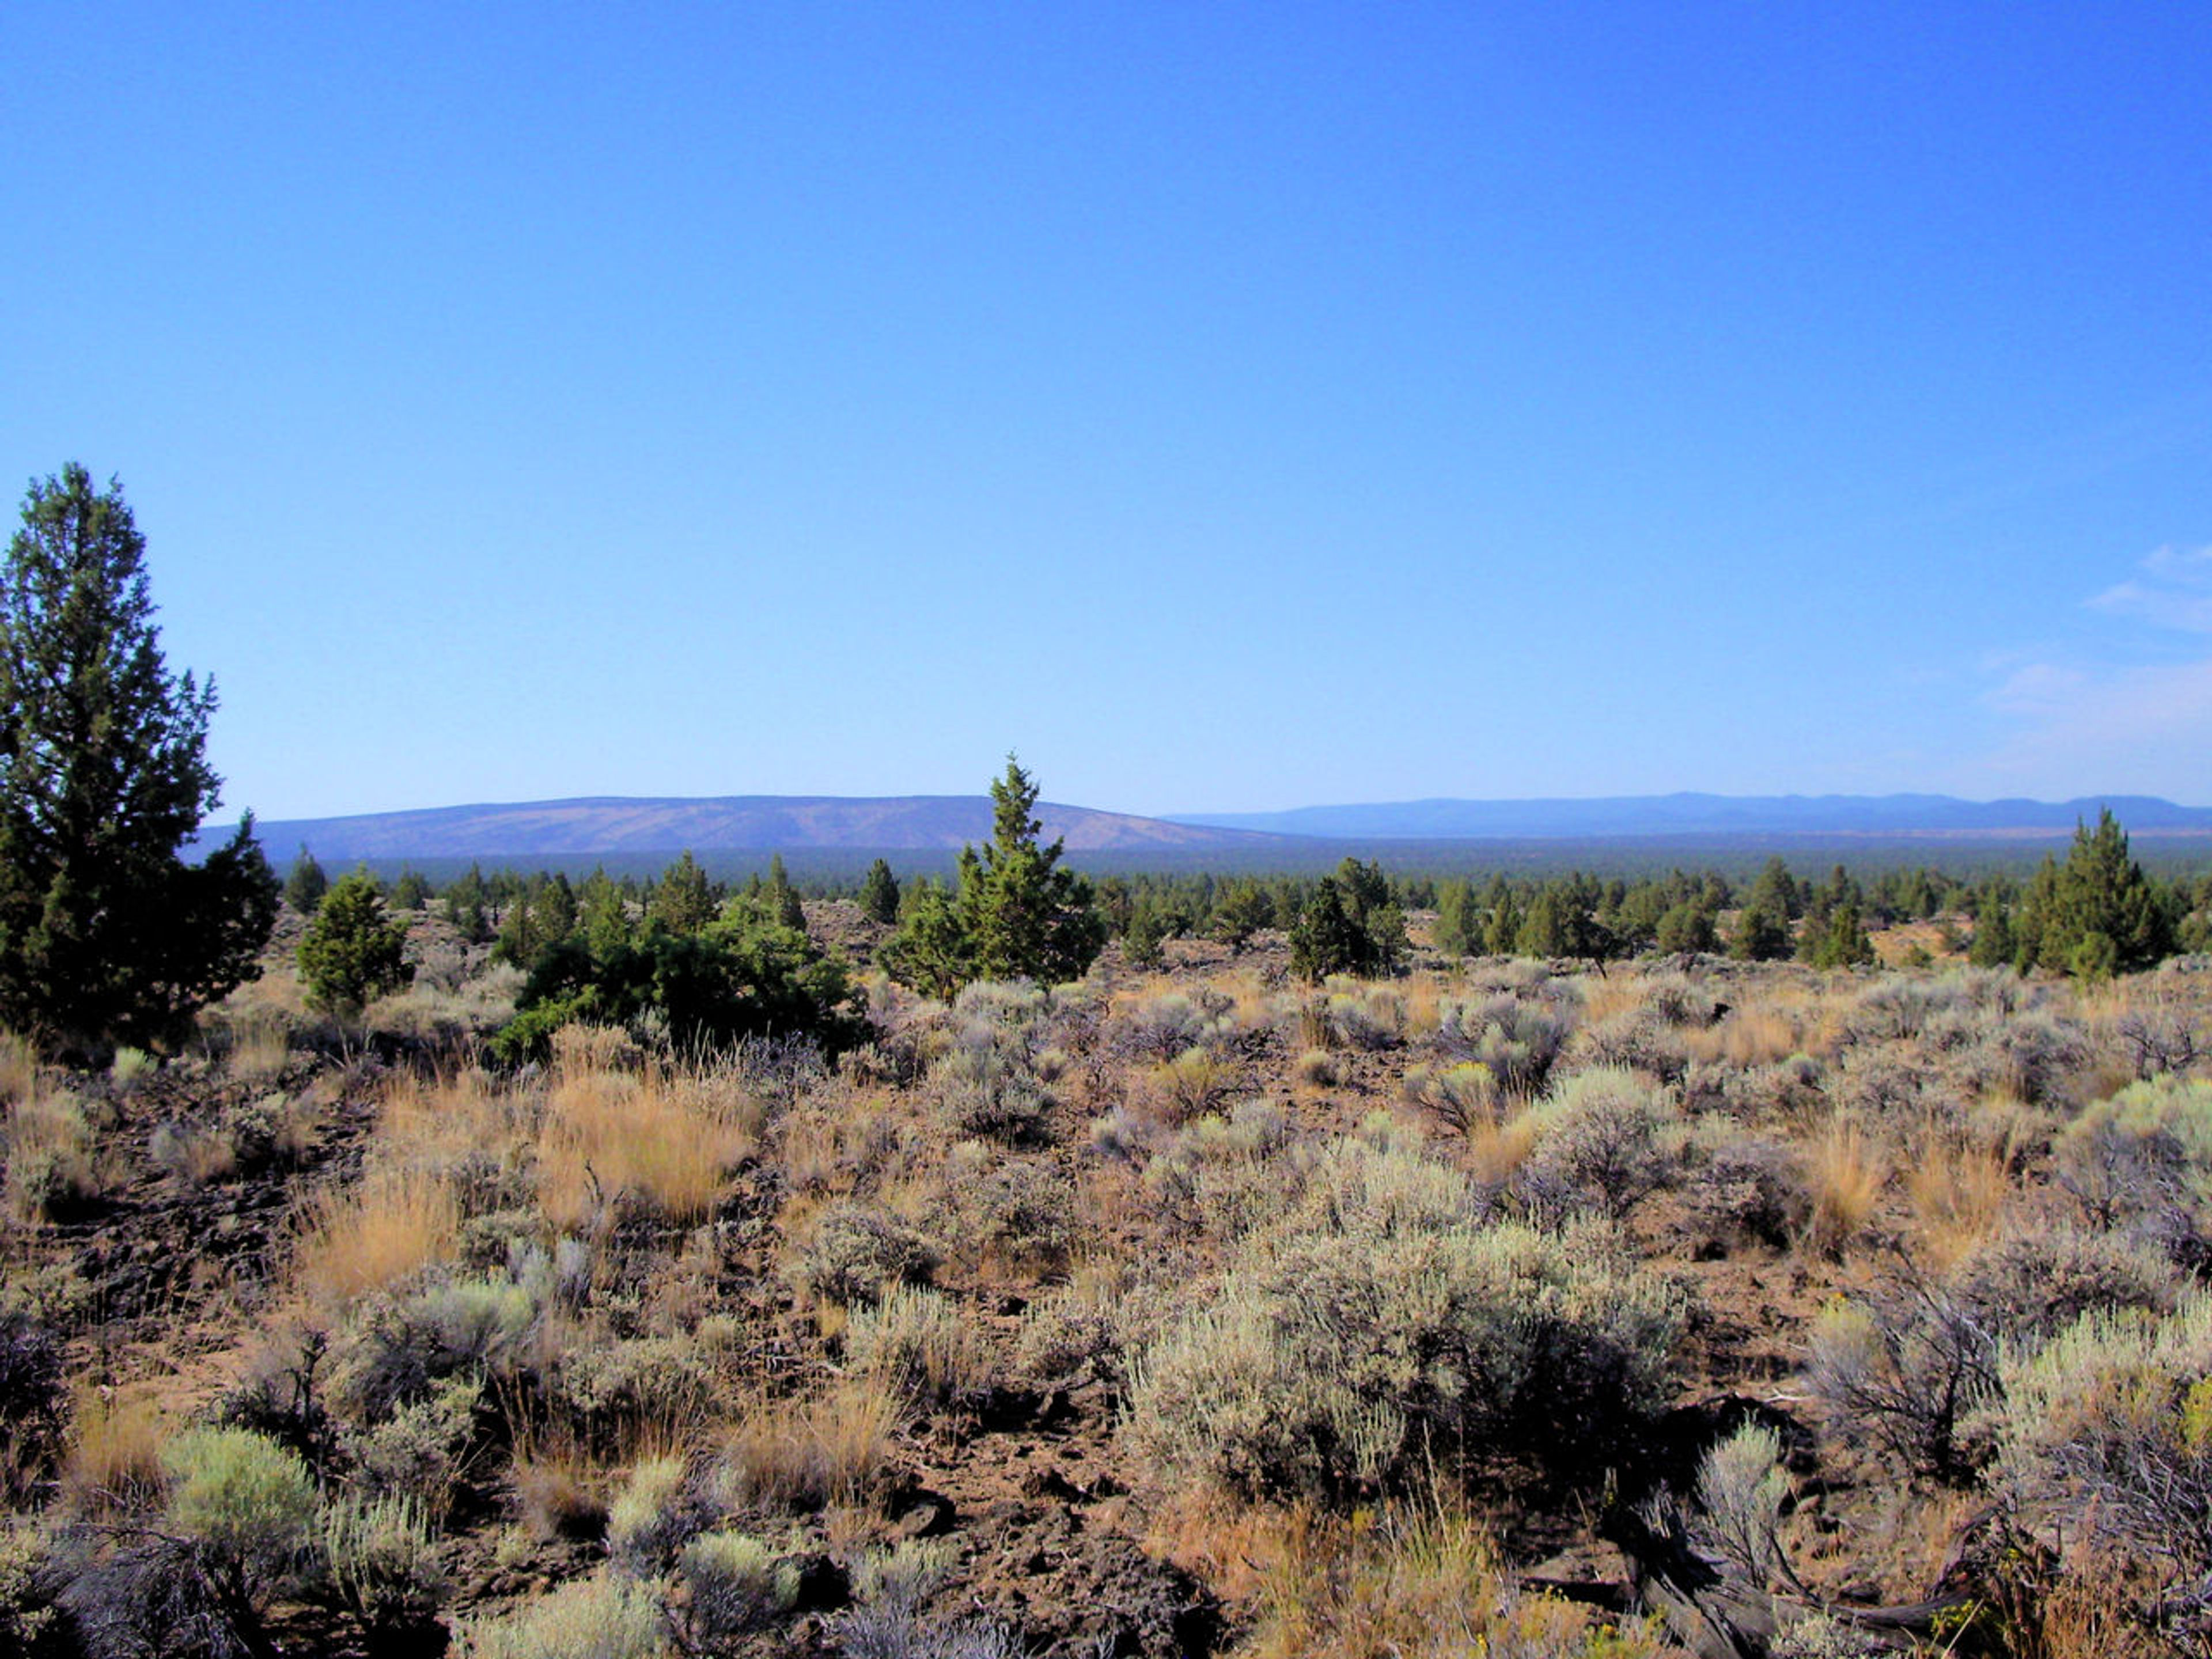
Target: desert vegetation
{"type": "Point", "coordinates": [1368, 1264]}
{"type": "Point", "coordinates": [1478, 1303]}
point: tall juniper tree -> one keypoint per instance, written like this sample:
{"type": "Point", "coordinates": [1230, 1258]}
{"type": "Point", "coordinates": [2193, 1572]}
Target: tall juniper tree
{"type": "Point", "coordinates": [106, 933]}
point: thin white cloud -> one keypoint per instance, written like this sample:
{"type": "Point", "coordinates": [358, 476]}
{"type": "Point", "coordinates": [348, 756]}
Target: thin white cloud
{"type": "Point", "coordinates": [2178, 592]}
{"type": "Point", "coordinates": [2144, 730]}
{"type": "Point", "coordinates": [2081, 727]}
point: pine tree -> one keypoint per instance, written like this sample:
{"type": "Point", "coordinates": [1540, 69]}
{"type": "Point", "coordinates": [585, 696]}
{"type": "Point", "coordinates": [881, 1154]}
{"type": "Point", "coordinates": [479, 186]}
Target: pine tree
{"type": "Point", "coordinates": [2104, 917]}
{"type": "Point", "coordinates": [684, 900]}
{"type": "Point", "coordinates": [106, 935]}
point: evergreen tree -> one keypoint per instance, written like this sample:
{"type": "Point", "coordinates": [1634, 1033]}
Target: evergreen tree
{"type": "Point", "coordinates": [602, 918]}
{"type": "Point", "coordinates": [411, 891]}
{"type": "Point", "coordinates": [1843, 941]}
{"type": "Point", "coordinates": [1501, 931]}
{"type": "Point", "coordinates": [1992, 946]}
{"type": "Point", "coordinates": [464, 905]}
{"type": "Point", "coordinates": [352, 953]}
{"type": "Point", "coordinates": [1458, 931]}
{"type": "Point", "coordinates": [1016, 914]}
{"type": "Point", "coordinates": [305, 883]}
{"type": "Point", "coordinates": [1241, 910]}
{"type": "Point", "coordinates": [2103, 916]}
{"type": "Point", "coordinates": [879, 894]}
{"type": "Point", "coordinates": [106, 934]}
{"type": "Point", "coordinates": [1349, 925]}
{"type": "Point", "coordinates": [782, 900]}
{"type": "Point", "coordinates": [684, 900]}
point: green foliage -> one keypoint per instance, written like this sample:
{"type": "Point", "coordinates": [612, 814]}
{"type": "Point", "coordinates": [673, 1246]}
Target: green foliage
{"type": "Point", "coordinates": [246, 1502]}
{"type": "Point", "coordinates": [1380, 1330]}
{"type": "Point", "coordinates": [106, 934]}
{"type": "Point", "coordinates": [2095, 915]}
{"type": "Point", "coordinates": [1349, 925]}
{"type": "Point", "coordinates": [352, 953]}
{"type": "Point", "coordinates": [411, 891]}
{"type": "Point", "coordinates": [601, 1618]}
{"type": "Point", "coordinates": [1843, 941]}
{"type": "Point", "coordinates": [738, 1583]}
{"type": "Point", "coordinates": [305, 883]}
{"type": "Point", "coordinates": [879, 894]}
{"type": "Point", "coordinates": [744, 975]}
{"type": "Point", "coordinates": [1014, 914]}
{"type": "Point", "coordinates": [684, 902]}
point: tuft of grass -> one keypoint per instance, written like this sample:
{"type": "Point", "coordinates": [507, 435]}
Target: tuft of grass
{"type": "Point", "coordinates": [665, 1140]}
{"type": "Point", "coordinates": [811, 1453]}
{"type": "Point", "coordinates": [1957, 1195]}
{"type": "Point", "coordinates": [48, 1145]}
{"type": "Point", "coordinates": [393, 1222]}
{"type": "Point", "coordinates": [114, 1462]}
{"type": "Point", "coordinates": [1845, 1175]}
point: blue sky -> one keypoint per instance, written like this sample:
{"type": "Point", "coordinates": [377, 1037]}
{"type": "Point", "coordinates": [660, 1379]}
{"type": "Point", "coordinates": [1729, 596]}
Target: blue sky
{"type": "Point", "coordinates": [1228, 407]}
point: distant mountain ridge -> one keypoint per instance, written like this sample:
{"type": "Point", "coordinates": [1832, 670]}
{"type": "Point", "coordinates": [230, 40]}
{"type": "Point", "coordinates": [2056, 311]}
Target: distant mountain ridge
{"type": "Point", "coordinates": [1693, 814]}
{"type": "Point", "coordinates": [621, 825]}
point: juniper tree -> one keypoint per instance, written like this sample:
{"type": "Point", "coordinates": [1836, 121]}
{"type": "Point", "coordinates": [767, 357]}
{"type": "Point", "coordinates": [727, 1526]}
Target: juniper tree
{"type": "Point", "coordinates": [305, 883]}
{"type": "Point", "coordinates": [1014, 913]}
{"type": "Point", "coordinates": [352, 953]}
{"type": "Point", "coordinates": [106, 934]}
{"type": "Point", "coordinates": [879, 894]}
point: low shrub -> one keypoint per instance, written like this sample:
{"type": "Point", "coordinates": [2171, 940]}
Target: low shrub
{"type": "Point", "coordinates": [1604, 1139]}
{"type": "Point", "coordinates": [1343, 1351]}
{"type": "Point", "coordinates": [656, 1512]}
{"type": "Point", "coordinates": [604, 1617]}
{"type": "Point", "coordinates": [735, 1583]}
{"type": "Point", "coordinates": [381, 1566]}
{"type": "Point", "coordinates": [854, 1252]}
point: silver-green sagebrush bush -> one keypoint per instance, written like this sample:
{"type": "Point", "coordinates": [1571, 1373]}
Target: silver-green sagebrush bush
{"type": "Point", "coordinates": [1379, 1328]}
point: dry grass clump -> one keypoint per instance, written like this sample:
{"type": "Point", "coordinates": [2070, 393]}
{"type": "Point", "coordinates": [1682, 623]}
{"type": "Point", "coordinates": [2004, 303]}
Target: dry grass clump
{"type": "Point", "coordinates": [667, 1140]}
{"type": "Point", "coordinates": [1845, 1173]}
{"type": "Point", "coordinates": [51, 1156]}
{"type": "Point", "coordinates": [1420, 1584]}
{"type": "Point", "coordinates": [812, 1452]}
{"type": "Point", "coordinates": [19, 1068]}
{"type": "Point", "coordinates": [114, 1461]}
{"type": "Point", "coordinates": [394, 1222]}
{"type": "Point", "coordinates": [1744, 1037]}
{"type": "Point", "coordinates": [194, 1155]}
{"type": "Point", "coordinates": [1956, 1194]}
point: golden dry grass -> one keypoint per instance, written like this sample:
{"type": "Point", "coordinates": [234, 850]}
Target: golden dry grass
{"type": "Point", "coordinates": [114, 1459]}
{"type": "Point", "coordinates": [826, 1449]}
{"type": "Point", "coordinates": [665, 1140]}
{"type": "Point", "coordinates": [50, 1155]}
{"type": "Point", "coordinates": [1846, 1173]}
{"type": "Point", "coordinates": [394, 1222]}
{"type": "Point", "coordinates": [19, 1068]}
{"type": "Point", "coordinates": [1744, 1037]}
{"type": "Point", "coordinates": [1495, 1150]}
{"type": "Point", "coordinates": [1956, 1193]}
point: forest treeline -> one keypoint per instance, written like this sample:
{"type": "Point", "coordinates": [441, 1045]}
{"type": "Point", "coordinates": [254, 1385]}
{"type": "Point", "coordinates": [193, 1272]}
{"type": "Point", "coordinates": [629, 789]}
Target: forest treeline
{"type": "Point", "coordinates": [2095, 911]}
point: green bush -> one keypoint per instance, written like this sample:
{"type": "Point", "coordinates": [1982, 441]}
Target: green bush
{"type": "Point", "coordinates": [1380, 1327]}
{"type": "Point", "coordinates": [856, 1252]}
{"type": "Point", "coordinates": [2107, 1429]}
{"type": "Point", "coordinates": [1605, 1140]}
{"type": "Point", "coordinates": [652, 1516]}
{"type": "Point", "coordinates": [737, 1584]}
{"type": "Point", "coordinates": [351, 953]}
{"type": "Point", "coordinates": [379, 1559]}
{"type": "Point", "coordinates": [247, 1505]}
{"type": "Point", "coordinates": [600, 1618]}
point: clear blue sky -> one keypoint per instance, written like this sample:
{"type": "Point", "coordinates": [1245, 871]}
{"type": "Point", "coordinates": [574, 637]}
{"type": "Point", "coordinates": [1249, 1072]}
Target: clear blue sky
{"type": "Point", "coordinates": [1226, 406]}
